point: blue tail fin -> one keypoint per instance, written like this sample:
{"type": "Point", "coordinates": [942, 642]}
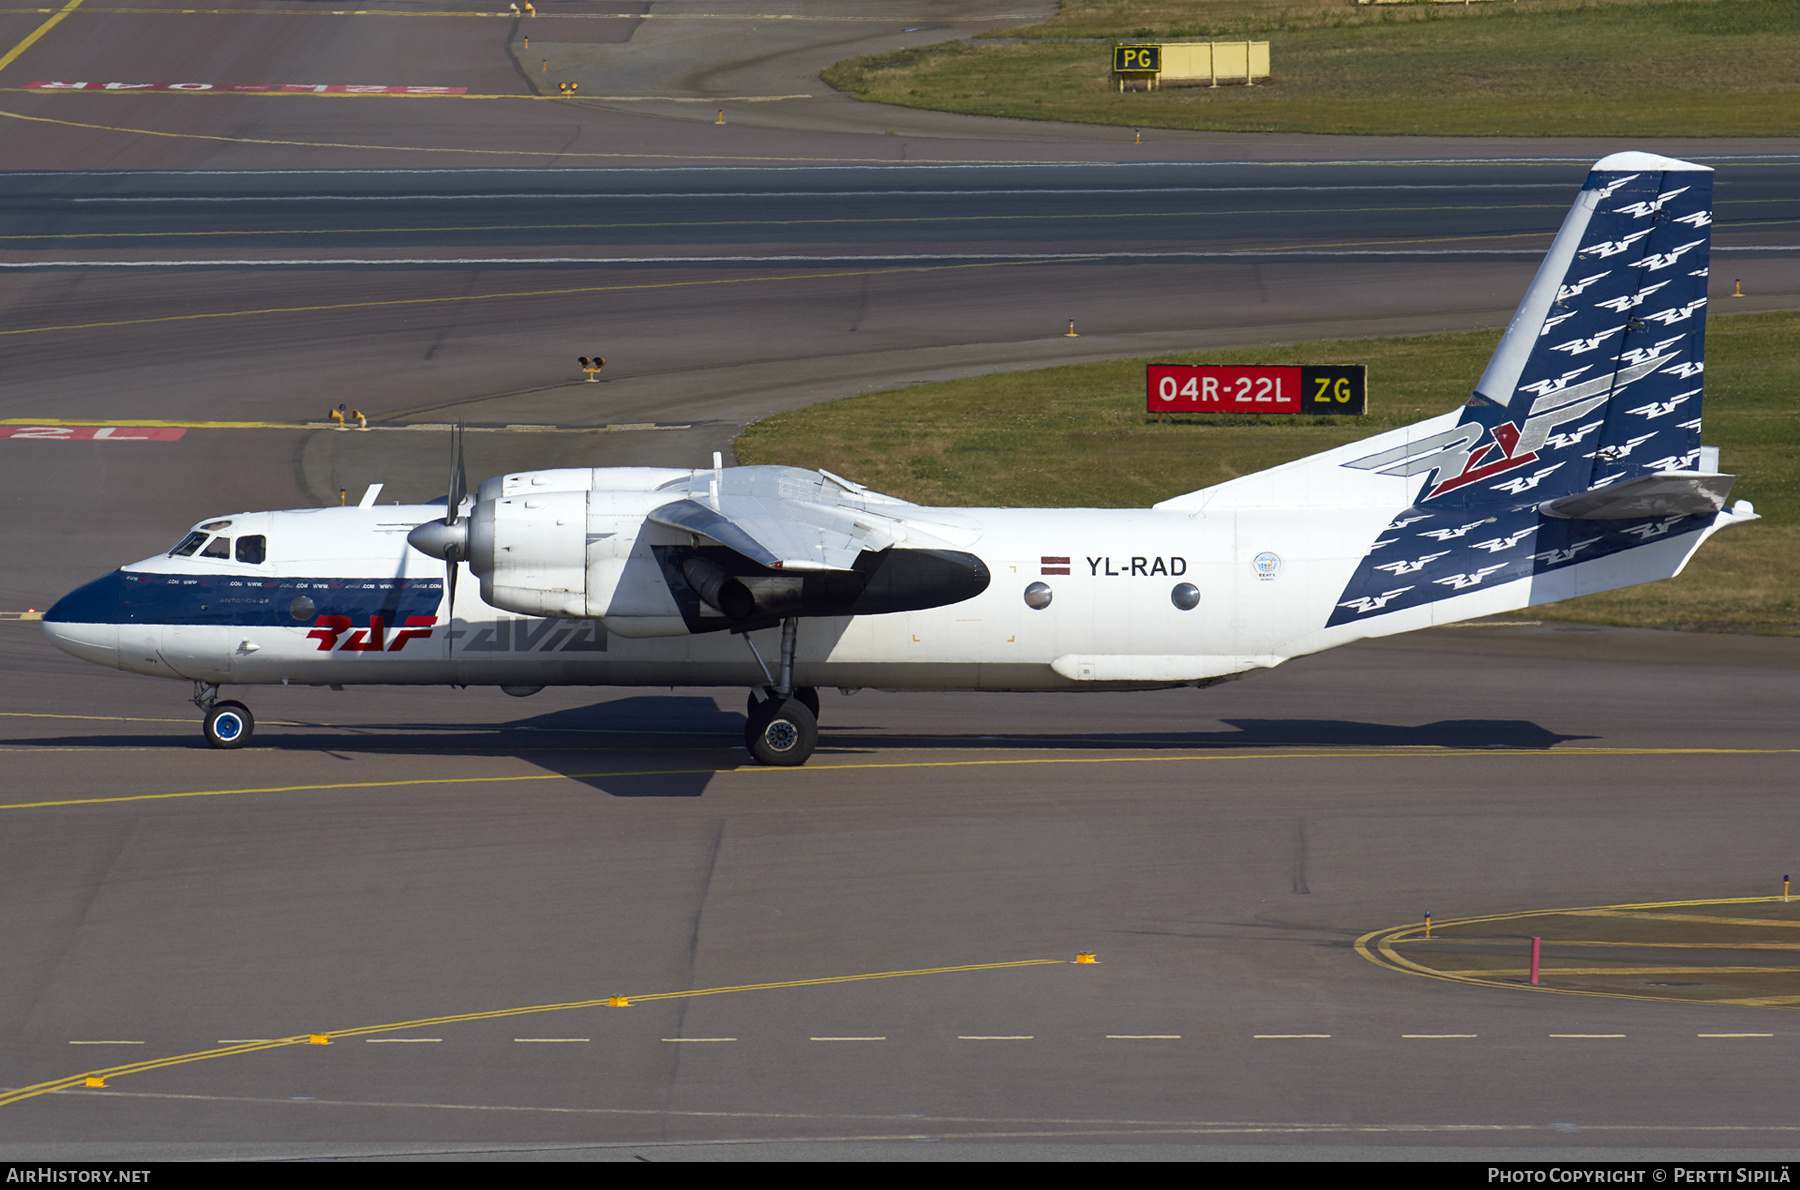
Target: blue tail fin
{"type": "Point", "coordinates": [1598, 377]}
{"type": "Point", "coordinates": [1596, 382]}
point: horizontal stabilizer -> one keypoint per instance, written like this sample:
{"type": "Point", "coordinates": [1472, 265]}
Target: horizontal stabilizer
{"type": "Point", "coordinates": [1659, 494]}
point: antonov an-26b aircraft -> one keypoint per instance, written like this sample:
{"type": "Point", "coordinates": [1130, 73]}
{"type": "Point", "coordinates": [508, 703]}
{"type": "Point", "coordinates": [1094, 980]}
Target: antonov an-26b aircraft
{"type": "Point", "coordinates": [1576, 466]}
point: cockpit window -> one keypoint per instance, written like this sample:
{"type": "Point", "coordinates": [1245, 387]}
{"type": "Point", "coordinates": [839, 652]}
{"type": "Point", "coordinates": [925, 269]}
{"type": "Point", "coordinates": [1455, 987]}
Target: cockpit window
{"type": "Point", "coordinates": [252, 548]}
{"type": "Point", "coordinates": [218, 547]}
{"type": "Point", "coordinates": [187, 545]}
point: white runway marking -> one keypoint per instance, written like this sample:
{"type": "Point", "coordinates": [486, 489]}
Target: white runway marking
{"type": "Point", "coordinates": [1134, 167]}
{"type": "Point", "coordinates": [922, 258]}
{"type": "Point", "coordinates": [736, 194]}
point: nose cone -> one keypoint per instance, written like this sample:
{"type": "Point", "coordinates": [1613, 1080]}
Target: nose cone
{"type": "Point", "coordinates": [85, 622]}
{"type": "Point", "coordinates": [440, 539]}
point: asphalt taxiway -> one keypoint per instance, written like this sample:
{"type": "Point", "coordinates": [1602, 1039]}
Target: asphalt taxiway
{"type": "Point", "coordinates": [451, 888]}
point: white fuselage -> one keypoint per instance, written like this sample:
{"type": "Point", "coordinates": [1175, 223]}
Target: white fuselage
{"type": "Point", "coordinates": [1111, 619]}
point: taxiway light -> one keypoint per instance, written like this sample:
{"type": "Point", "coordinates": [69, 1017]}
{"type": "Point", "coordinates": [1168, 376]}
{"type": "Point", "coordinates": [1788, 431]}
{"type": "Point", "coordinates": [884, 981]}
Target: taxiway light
{"type": "Point", "coordinates": [1738, 287]}
{"type": "Point", "coordinates": [618, 1001]}
{"type": "Point", "coordinates": [318, 1039]}
{"type": "Point", "coordinates": [1086, 958]}
{"type": "Point", "coordinates": [1071, 332]}
{"type": "Point", "coordinates": [721, 118]}
{"type": "Point", "coordinates": [95, 1082]}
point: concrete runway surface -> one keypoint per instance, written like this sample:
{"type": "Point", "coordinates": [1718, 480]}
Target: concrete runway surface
{"type": "Point", "coordinates": [872, 957]}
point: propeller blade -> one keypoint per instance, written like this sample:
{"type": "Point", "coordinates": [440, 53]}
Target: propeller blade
{"type": "Point", "coordinates": [450, 606]}
{"type": "Point", "coordinates": [459, 484]}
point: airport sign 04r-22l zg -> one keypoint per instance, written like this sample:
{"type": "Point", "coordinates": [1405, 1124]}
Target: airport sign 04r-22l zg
{"type": "Point", "coordinates": [1257, 388]}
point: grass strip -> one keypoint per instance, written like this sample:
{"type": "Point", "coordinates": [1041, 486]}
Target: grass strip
{"type": "Point", "coordinates": [1078, 437]}
{"type": "Point", "coordinates": [1518, 68]}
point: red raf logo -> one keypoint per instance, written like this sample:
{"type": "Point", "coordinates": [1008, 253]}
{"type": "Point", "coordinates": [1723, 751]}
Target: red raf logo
{"type": "Point", "coordinates": [328, 629]}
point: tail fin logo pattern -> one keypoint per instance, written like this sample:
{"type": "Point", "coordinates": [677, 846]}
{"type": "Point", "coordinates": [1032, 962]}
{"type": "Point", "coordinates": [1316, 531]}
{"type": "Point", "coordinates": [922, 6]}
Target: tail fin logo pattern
{"type": "Point", "coordinates": [1608, 342]}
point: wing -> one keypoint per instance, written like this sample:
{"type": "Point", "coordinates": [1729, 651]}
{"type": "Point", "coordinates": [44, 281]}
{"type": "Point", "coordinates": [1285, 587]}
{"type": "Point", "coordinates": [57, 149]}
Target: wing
{"type": "Point", "coordinates": [784, 518]}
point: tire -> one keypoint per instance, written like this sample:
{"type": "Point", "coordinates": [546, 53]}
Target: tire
{"type": "Point", "coordinates": [808, 696]}
{"type": "Point", "coordinates": [229, 725]}
{"type": "Point", "coordinates": [781, 733]}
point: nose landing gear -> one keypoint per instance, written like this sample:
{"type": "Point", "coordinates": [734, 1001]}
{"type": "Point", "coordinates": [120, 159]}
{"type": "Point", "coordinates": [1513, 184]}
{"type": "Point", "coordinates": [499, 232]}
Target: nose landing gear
{"type": "Point", "coordinates": [228, 723]}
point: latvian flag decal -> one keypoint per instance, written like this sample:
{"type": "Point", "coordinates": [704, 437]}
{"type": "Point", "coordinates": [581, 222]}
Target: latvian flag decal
{"type": "Point", "coordinates": [1055, 565]}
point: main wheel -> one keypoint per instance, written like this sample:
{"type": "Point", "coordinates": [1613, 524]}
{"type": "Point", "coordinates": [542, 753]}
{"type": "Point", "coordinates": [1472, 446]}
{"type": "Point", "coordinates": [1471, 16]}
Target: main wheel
{"type": "Point", "coordinates": [781, 732]}
{"type": "Point", "coordinates": [229, 725]}
{"type": "Point", "coordinates": [808, 696]}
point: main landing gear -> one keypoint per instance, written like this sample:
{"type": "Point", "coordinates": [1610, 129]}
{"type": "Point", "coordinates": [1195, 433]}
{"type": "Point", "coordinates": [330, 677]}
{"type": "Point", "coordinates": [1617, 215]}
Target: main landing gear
{"type": "Point", "coordinates": [782, 727]}
{"type": "Point", "coordinates": [228, 724]}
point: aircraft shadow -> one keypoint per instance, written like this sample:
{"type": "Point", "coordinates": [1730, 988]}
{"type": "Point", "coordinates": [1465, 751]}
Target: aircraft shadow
{"type": "Point", "coordinates": [671, 745]}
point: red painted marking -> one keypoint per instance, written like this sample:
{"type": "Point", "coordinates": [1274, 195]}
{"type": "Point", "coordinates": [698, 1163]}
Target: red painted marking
{"type": "Point", "coordinates": [327, 631]}
{"type": "Point", "coordinates": [94, 433]}
{"type": "Point", "coordinates": [1223, 388]}
{"type": "Point", "coordinates": [1479, 466]}
{"type": "Point", "coordinates": [288, 88]}
{"type": "Point", "coordinates": [417, 627]}
{"type": "Point", "coordinates": [372, 639]}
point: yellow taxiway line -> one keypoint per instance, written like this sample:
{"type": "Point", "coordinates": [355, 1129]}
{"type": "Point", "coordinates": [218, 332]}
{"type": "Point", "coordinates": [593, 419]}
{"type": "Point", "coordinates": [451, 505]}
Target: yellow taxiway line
{"type": "Point", "coordinates": [513, 15]}
{"type": "Point", "coordinates": [419, 95]}
{"type": "Point", "coordinates": [533, 293]}
{"type": "Point", "coordinates": [1378, 946]}
{"type": "Point", "coordinates": [31, 38]}
{"type": "Point", "coordinates": [799, 773]}
{"type": "Point", "coordinates": [76, 1080]}
{"type": "Point", "coordinates": [153, 423]}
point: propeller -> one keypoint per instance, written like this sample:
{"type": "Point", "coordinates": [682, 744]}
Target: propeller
{"type": "Point", "coordinates": [449, 538]}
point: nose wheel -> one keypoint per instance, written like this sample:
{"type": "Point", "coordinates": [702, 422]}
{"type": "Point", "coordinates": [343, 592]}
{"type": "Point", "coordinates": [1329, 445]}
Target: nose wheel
{"type": "Point", "coordinates": [228, 724]}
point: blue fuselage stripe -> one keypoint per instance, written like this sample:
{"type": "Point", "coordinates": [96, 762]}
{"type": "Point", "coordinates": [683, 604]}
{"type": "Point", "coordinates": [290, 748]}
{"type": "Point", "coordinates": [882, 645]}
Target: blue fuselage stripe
{"type": "Point", "coordinates": [123, 597]}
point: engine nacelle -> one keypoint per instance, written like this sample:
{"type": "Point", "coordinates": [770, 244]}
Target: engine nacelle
{"type": "Point", "coordinates": [576, 554]}
{"type": "Point", "coordinates": [579, 544]}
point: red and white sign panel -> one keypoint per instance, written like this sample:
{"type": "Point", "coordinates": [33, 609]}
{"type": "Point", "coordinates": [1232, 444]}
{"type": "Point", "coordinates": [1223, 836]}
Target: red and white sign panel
{"type": "Point", "coordinates": [288, 88]}
{"type": "Point", "coordinates": [1176, 388]}
{"type": "Point", "coordinates": [94, 433]}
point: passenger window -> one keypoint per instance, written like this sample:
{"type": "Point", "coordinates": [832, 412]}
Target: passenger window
{"type": "Point", "coordinates": [251, 548]}
{"type": "Point", "coordinates": [218, 547]}
{"type": "Point", "coordinates": [187, 545]}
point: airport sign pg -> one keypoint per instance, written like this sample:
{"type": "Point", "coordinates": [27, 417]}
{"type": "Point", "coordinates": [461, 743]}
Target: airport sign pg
{"type": "Point", "coordinates": [1129, 59]}
{"type": "Point", "coordinates": [1254, 388]}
